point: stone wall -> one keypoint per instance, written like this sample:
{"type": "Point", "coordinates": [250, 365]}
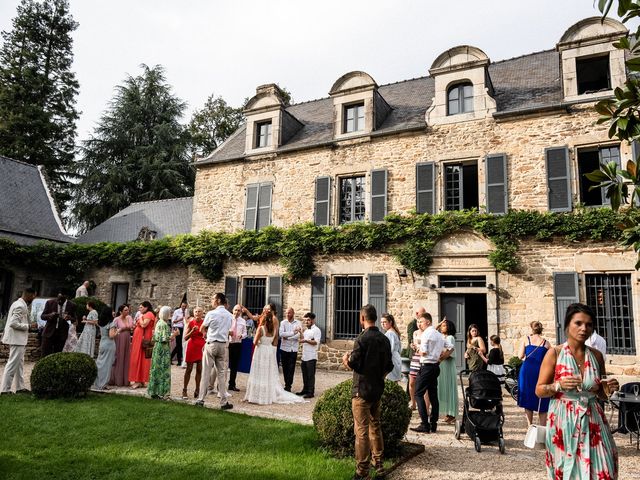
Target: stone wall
{"type": "Point", "coordinates": [160, 286]}
{"type": "Point", "coordinates": [518, 298]}
{"type": "Point", "coordinates": [220, 188]}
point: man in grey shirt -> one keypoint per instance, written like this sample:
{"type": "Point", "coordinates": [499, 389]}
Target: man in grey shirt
{"type": "Point", "coordinates": [216, 328]}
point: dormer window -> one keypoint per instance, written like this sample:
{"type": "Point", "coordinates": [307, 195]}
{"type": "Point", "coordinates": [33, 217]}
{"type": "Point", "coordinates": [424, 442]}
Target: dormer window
{"type": "Point", "coordinates": [354, 118]}
{"type": "Point", "coordinates": [460, 99]}
{"type": "Point", "coordinates": [263, 134]}
{"type": "Point", "coordinates": [593, 74]}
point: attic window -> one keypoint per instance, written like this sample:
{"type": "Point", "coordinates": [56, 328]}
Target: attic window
{"type": "Point", "coordinates": [593, 74]}
{"type": "Point", "coordinates": [354, 118]}
{"type": "Point", "coordinates": [263, 134]}
{"type": "Point", "coordinates": [460, 98]}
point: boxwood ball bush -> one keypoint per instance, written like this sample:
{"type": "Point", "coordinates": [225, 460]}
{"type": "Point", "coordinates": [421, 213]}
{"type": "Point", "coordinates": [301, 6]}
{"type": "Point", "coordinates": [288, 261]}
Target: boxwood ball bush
{"type": "Point", "coordinates": [63, 374]}
{"type": "Point", "coordinates": [333, 420]}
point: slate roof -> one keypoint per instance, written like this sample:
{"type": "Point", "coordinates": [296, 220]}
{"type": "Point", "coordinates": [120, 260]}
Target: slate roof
{"type": "Point", "coordinates": [27, 211]}
{"type": "Point", "coordinates": [529, 81]}
{"type": "Point", "coordinates": [166, 217]}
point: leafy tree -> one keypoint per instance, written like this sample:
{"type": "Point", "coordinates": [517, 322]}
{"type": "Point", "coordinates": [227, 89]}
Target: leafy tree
{"type": "Point", "coordinates": [212, 125]}
{"type": "Point", "coordinates": [38, 90]}
{"type": "Point", "coordinates": [138, 151]}
{"type": "Point", "coordinates": [623, 114]}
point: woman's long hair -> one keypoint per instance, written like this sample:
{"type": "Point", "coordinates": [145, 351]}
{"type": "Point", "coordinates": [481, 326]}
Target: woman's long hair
{"type": "Point", "coordinates": [469, 337]}
{"type": "Point", "coordinates": [106, 316]}
{"type": "Point", "coordinates": [392, 323]}
{"type": "Point", "coordinates": [266, 320]}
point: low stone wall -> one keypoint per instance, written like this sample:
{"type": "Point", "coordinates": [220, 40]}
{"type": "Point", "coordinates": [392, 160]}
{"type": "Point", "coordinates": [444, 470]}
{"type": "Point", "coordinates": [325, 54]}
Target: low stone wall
{"type": "Point", "coordinates": [33, 352]}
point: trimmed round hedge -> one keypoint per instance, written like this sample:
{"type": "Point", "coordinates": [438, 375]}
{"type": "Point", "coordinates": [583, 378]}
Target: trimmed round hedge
{"type": "Point", "coordinates": [63, 374]}
{"type": "Point", "coordinates": [333, 420]}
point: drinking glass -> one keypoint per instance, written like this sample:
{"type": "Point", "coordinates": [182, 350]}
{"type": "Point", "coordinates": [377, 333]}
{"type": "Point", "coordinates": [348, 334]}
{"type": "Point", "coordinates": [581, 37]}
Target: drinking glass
{"type": "Point", "coordinates": [579, 378]}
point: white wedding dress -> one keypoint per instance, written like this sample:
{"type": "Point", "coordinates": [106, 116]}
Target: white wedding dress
{"type": "Point", "coordinates": [264, 386]}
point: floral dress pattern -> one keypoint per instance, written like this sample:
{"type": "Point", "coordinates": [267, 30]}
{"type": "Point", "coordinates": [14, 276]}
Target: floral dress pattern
{"type": "Point", "coordinates": [160, 375]}
{"type": "Point", "coordinates": [578, 441]}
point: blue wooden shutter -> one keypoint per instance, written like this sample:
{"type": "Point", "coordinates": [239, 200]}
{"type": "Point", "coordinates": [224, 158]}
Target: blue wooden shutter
{"type": "Point", "coordinates": [378, 195]}
{"type": "Point", "coordinates": [425, 188]}
{"type": "Point", "coordinates": [565, 292]}
{"type": "Point", "coordinates": [496, 175]}
{"type": "Point", "coordinates": [275, 294]}
{"type": "Point", "coordinates": [231, 291]}
{"type": "Point", "coordinates": [558, 179]}
{"type": "Point", "coordinates": [251, 208]}
{"type": "Point", "coordinates": [378, 293]}
{"type": "Point", "coordinates": [319, 303]}
{"type": "Point", "coordinates": [322, 212]}
{"type": "Point", "coordinates": [264, 206]}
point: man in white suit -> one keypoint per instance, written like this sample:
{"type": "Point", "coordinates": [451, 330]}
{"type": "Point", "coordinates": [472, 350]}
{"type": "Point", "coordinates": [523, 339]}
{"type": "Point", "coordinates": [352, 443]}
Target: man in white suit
{"type": "Point", "coordinates": [16, 333]}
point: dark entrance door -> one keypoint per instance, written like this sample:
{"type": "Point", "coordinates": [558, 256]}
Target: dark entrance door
{"type": "Point", "coordinates": [6, 284]}
{"type": "Point", "coordinates": [464, 310]}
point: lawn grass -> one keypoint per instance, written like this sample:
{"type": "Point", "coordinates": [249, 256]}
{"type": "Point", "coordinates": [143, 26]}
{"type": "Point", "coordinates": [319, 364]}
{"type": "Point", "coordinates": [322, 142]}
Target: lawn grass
{"type": "Point", "coordinates": [115, 437]}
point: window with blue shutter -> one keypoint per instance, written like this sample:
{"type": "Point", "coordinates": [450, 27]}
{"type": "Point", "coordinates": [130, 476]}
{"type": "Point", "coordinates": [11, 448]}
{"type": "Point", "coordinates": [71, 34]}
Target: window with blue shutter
{"type": "Point", "coordinates": [275, 294]}
{"type": "Point", "coordinates": [425, 188]}
{"type": "Point", "coordinates": [378, 293]}
{"type": "Point", "coordinates": [378, 195]}
{"type": "Point", "coordinates": [322, 213]}
{"type": "Point", "coordinates": [319, 303]}
{"type": "Point", "coordinates": [496, 175]}
{"type": "Point", "coordinates": [558, 179]}
{"type": "Point", "coordinates": [565, 292]}
{"type": "Point", "coordinates": [231, 291]}
{"type": "Point", "coordinates": [257, 213]}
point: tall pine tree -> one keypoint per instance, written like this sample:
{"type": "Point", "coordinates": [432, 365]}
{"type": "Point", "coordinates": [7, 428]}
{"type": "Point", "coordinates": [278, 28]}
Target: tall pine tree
{"type": "Point", "coordinates": [138, 151]}
{"type": "Point", "coordinates": [38, 91]}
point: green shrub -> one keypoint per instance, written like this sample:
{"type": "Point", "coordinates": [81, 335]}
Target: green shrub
{"type": "Point", "coordinates": [63, 374]}
{"type": "Point", "coordinates": [333, 420]}
{"type": "Point", "coordinates": [515, 362]}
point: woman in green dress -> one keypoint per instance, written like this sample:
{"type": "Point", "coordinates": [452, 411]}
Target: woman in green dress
{"type": "Point", "coordinates": [475, 346]}
{"type": "Point", "coordinates": [160, 375]}
{"type": "Point", "coordinates": [447, 381]}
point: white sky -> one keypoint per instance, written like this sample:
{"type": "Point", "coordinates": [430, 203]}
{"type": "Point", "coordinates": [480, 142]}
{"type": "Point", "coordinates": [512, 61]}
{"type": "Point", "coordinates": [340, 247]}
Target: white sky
{"type": "Point", "coordinates": [230, 47]}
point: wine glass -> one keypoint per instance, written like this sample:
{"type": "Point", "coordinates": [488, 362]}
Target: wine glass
{"type": "Point", "coordinates": [636, 390]}
{"type": "Point", "coordinates": [578, 377]}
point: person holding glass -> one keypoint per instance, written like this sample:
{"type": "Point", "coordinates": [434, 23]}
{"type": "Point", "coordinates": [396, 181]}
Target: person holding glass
{"type": "Point", "coordinates": [578, 440]}
{"type": "Point", "coordinates": [532, 352]}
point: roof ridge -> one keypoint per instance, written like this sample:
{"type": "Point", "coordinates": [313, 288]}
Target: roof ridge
{"type": "Point", "coordinates": [158, 201]}
{"type": "Point", "coordinates": [19, 161]}
{"type": "Point", "coordinates": [521, 56]}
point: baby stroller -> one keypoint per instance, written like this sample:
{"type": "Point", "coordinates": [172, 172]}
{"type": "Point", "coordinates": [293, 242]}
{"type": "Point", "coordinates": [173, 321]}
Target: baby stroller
{"type": "Point", "coordinates": [484, 423]}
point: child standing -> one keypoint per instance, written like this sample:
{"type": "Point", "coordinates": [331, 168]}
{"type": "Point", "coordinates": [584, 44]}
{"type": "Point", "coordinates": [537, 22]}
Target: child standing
{"type": "Point", "coordinates": [495, 359]}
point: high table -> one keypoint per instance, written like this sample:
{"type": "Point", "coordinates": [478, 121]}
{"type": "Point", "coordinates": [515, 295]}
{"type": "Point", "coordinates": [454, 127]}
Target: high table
{"type": "Point", "coordinates": [632, 404]}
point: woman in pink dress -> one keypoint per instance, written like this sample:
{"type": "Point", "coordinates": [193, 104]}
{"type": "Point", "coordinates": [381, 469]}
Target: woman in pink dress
{"type": "Point", "coordinates": [139, 365]}
{"type": "Point", "coordinates": [120, 371]}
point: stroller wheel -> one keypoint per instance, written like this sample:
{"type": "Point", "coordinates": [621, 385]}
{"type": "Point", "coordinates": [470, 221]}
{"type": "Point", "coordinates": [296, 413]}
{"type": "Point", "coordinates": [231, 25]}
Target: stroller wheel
{"type": "Point", "coordinates": [477, 444]}
{"type": "Point", "coordinates": [458, 429]}
{"type": "Point", "coordinates": [501, 445]}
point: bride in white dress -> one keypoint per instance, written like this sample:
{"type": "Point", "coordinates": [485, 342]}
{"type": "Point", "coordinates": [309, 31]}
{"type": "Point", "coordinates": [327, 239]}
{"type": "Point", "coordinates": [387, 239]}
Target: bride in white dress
{"type": "Point", "coordinates": [264, 386]}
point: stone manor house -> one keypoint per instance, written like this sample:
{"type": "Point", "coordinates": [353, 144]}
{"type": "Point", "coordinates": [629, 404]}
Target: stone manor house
{"type": "Point", "coordinates": [512, 134]}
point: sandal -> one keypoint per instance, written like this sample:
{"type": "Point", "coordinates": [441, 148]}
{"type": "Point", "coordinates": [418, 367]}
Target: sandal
{"type": "Point", "coordinates": [196, 393]}
{"type": "Point", "coordinates": [184, 394]}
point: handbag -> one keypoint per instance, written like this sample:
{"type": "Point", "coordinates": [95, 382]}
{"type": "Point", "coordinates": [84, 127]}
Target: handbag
{"type": "Point", "coordinates": [535, 434]}
{"type": "Point", "coordinates": [147, 346]}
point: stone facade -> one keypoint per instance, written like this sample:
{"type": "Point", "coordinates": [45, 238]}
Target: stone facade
{"type": "Point", "coordinates": [219, 189]}
{"type": "Point", "coordinates": [160, 286]}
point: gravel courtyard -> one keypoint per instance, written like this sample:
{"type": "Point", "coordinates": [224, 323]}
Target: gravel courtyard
{"type": "Point", "coordinates": [444, 458]}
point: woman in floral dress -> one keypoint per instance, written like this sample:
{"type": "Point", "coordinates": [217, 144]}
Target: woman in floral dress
{"type": "Point", "coordinates": [578, 440]}
{"type": "Point", "coordinates": [160, 375]}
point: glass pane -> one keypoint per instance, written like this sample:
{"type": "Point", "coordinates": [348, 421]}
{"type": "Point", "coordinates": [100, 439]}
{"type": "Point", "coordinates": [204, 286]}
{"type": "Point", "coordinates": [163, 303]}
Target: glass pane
{"type": "Point", "coordinates": [452, 187]}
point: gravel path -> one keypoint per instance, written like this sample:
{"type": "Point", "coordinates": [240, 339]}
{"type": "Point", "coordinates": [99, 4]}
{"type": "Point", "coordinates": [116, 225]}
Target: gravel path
{"type": "Point", "coordinates": [444, 458]}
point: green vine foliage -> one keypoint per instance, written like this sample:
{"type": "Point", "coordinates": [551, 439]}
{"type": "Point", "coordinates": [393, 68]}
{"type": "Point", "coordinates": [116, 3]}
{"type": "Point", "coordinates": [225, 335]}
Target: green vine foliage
{"type": "Point", "coordinates": [409, 238]}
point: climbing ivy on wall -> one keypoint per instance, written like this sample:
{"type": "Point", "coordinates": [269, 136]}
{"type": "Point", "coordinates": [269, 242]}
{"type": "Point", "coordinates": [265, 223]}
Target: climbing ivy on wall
{"type": "Point", "coordinates": [409, 238]}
